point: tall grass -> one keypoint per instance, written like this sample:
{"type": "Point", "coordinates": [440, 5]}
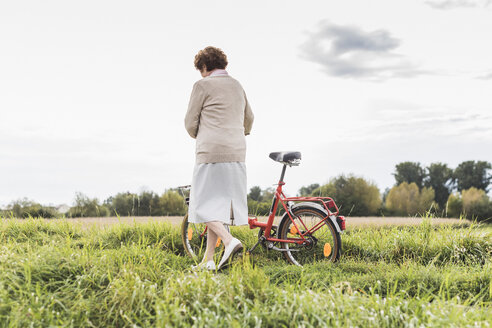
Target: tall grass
{"type": "Point", "coordinates": [58, 274]}
{"type": "Point", "coordinates": [422, 244]}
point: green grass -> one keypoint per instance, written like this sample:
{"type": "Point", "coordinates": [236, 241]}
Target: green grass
{"type": "Point", "coordinates": [59, 274]}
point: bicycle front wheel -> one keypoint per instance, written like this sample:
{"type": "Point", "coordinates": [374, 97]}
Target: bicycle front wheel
{"type": "Point", "coordinates": [322, 240]}
{"type": "Point", "coordinates": [194, 238]}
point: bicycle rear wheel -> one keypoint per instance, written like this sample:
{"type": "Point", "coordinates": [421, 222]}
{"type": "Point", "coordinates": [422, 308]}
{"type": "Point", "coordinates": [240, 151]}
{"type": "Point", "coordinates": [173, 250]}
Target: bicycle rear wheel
{"type": "Point", "coordinates": [322, 244]}
{"type": "Point", "coordinates": [194, 238]}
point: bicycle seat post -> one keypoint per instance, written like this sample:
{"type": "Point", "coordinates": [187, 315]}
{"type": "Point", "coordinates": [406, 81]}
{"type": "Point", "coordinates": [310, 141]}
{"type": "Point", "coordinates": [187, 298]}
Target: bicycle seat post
{"type": "Point", "coordinates": [283, 173]}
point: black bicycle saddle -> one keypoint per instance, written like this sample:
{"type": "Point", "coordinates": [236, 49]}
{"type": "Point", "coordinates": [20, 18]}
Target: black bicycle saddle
{"type": "Point", "coordinates": [286, 157]}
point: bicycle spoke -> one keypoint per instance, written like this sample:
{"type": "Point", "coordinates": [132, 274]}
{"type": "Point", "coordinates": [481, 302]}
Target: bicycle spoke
{"type": "Point", "coordinates": [320, 244]}
{"type": "Point", "coordinates": [194, 236]}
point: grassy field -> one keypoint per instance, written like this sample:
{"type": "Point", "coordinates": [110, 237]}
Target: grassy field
{"type": "Point", "coordinates": [68, 274]}
{"type": "Point", "coordinates": [352, 222]}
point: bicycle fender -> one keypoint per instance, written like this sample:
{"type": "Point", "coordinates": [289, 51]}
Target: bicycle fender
{"type": "Point", "coordinates": [318, 207]}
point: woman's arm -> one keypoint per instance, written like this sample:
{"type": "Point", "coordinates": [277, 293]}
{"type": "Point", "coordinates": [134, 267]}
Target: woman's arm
{"type": "Point", "coordinates": [248, 117]}
{"type": "Point", "coordinates": [192, 118]}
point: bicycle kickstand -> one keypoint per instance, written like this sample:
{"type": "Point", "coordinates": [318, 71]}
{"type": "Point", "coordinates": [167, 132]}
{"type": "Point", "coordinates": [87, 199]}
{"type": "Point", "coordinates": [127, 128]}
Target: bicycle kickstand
{"type": "Point", "coordinates": [255, 245]}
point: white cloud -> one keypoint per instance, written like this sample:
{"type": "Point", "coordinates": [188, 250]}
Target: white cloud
{"type": "Point", "coordinates": [348, 51]}
{"type": "Point", "coordinates": [485, 76]}
{"type": "Point", "coordinates": [420, 124]}
{"type": "Point", "coordinates": [452, 4]}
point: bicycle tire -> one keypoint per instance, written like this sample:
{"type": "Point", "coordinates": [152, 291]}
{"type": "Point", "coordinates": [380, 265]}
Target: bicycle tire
{"type": "Point", "coordinates": [326, 243]}
{"type": "Point", "coordinates": [194, 243]}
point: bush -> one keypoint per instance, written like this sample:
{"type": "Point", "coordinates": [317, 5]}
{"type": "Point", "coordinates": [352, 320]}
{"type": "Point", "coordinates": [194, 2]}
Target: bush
{"type": "Point", "coordinates": [87, 207]}
{"type": "Point", "coordinates": [454, 205]}
{"type": "Point", "coordinates": [260, 201]}
{"type": "Point", "coordinates": [353, 195]}
{"type": "Point", "coordinates": [123, 203]}
{"type": "Point", "coordinates": [406, 199]}
{"type": "Point", "coordinates": [172, 203]}
{"type": "Point", "coordinates": [147, 203]}
{"type": "Point", "coordinates": [24, 208]}
{"type": "Point", "coordinates": [307, 190]}
{"type": "Point", "coordinates": [258, 208]}
{"type": "Point", "coordinates": [472, 203]}
{"type": "Point", "coordinates": [475, 201]}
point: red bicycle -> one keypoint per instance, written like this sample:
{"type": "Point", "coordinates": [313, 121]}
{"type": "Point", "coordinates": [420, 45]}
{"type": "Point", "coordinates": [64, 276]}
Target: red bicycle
{"type": "Point", "coordinates": [309, 229]}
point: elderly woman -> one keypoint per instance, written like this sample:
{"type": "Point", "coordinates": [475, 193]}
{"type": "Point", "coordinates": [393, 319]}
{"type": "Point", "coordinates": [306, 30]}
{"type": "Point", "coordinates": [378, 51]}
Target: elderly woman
{"type": "Point", "coordinates": [219, 117]}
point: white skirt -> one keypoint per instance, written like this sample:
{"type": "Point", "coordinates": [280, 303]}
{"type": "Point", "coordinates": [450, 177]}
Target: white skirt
{"type": "Point", "coordinates": [219, 193]}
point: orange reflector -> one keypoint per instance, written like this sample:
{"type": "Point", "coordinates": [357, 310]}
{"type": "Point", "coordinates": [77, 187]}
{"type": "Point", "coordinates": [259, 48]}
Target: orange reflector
{"type": "Point", "coordinates": [190, 233]}
{"type": "Point", "coordinates": [327, 250]}
{"type": "Point", "coordinates": [218, 242]}
{"type": "Point", "coordinates": [293, 230]}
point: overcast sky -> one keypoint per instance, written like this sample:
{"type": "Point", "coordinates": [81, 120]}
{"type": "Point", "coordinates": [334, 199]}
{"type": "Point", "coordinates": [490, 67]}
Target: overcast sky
{"type": "Point", "coordinates": [93, 93]}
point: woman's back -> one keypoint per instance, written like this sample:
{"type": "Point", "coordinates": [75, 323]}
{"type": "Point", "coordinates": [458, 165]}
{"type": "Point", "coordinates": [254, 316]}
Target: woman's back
{"type": "Point", "coordinates": [219, 117]}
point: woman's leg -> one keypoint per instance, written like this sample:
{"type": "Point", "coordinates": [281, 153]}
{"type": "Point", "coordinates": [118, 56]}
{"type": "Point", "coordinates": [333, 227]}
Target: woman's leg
{"type": "Point", "coordinates": [220, 230]}
{"type": "Point", "coordinates": [211, 242]}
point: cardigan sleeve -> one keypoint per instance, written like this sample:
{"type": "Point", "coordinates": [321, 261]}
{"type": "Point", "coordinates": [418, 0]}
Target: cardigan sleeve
{"type": "Point", "coordinates": [248, 117]}
{"type": "Point", "coordinates": [192, 118]}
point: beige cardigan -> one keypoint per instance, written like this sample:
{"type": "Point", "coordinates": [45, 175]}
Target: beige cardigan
{"type": "Point", "coordinates": [219, 116]}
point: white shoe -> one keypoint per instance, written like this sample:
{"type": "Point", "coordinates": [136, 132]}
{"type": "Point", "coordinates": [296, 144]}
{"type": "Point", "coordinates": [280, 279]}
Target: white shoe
{"type": "Point", "coordinates": [210, 265]}
{"type": "Point", "coordinates": [234, 246]}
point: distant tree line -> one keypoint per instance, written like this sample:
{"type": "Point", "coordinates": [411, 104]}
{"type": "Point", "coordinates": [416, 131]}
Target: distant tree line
{"type": "Point", "coordinates": [437, 189]}
{"type": "Point", "coordinates": [146, 203]}
{"type": "Point", "coordinates": [459, 192]}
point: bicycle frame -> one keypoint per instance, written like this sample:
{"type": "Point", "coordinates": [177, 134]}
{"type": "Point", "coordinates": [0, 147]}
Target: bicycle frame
{"type": "Point", "coordinates": [287, 202]}
{"type": "Point", "coordinates": [327, 203]}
